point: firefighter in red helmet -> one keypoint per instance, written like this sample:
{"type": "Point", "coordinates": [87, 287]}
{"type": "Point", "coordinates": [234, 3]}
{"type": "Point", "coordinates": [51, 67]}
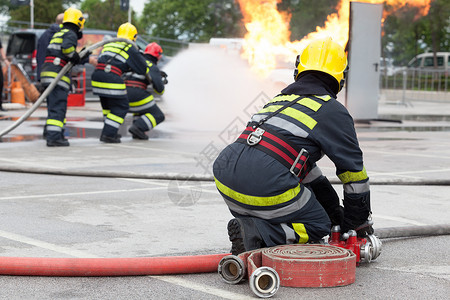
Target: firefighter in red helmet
{"type": "Point", "coordinates": [269, 178]}
{"type": "Point", "coordinates": [142, 104]}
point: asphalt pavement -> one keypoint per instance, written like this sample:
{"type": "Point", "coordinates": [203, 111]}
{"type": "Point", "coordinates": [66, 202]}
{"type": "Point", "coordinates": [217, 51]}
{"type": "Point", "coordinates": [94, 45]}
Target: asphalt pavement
{"type": "Point", "coordinates": [156, 198]}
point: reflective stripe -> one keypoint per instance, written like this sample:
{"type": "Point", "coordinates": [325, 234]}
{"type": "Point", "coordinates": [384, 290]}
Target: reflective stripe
{"type": "Point", "coordinates": [307, 102]}
{"type": "Point", "coordinates": [142, 102]}
{"type": "Point", "coordinates": [349, 176]}
{"type": "Point", "coordinates": [293, 113]}
{"type": "Point", "coordinates": [60, 83]}
{"type": "Point", "coordinates": [68, 50]}
{"type": "Point", "coordinates": [113, 55]}
{"type": "Point", "coordinates": [107, 85]}
{"type": "Point", "coordinates": [109, 92]}
{"type": "Point", "coordinates": [284, 124]}
{"type": "Point", "coordinates": [143, 107]}
{"type": "Point", "coordinates": [55, 46]}
{"type": "Point", "coordinates": [324, 97]}
{"type": "Point", "coordinates": [151, 119]}
{"type": "Point", "coordinates": [53, 128]}
{"type": "Point", "coordinates": [289, 232]}
{"type": "Point", "coordinates": [56, 41]}
{"type": "Point", "coordinates": [115, 118]}
{"type": "Point", "coordinates": [55, 122]}
{"type": "Point", "coordinates": [117, 48]}
{"type": "Point", "coordinates": [315, 173]}
{"type": "Point", "coordinates": [54, 75]}
{"type": "Point", "coordinates": [357, 187]}
{"type": "Point", "coordinates": [112, 123]}
{"type": "Point", "coordinates": [301, 231]}
{"type": "Point", "coordinates": [273, 213]}
{"type": "Point", "coordinates": [106, 111]}
{"type": "Point", "coordinates": [257, 200]}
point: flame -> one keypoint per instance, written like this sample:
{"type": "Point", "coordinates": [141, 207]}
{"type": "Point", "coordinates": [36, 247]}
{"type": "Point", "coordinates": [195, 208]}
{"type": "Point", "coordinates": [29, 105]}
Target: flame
{"type": "Point", "coordinates": [268, 35]}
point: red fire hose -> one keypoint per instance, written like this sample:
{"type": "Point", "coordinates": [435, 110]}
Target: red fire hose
{"type": "Point", "coordinates": [40, 266]}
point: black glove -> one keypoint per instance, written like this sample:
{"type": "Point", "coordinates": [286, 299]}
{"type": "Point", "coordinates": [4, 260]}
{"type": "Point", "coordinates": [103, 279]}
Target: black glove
{"type": "Point", "coordinates": [329, 199]}
{"type": "Point", "coordinates": [164, 77]}
{"type": "Point", "coordinates": [356, 213]}
{"type": "Point", "coordinates": [86, 54]}
{"type": "Point", "coordinates": [75, 59]}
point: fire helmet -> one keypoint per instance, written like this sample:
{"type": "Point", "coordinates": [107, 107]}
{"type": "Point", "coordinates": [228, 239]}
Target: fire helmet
{"type": "Point", "coordinates": [74, 16]}
{"type": "Point", "coordinates": [154, 49]}
{"type": "Point", "coordinates": [127, 31]}
{"type": "Point", "coordinates": [323, 55]}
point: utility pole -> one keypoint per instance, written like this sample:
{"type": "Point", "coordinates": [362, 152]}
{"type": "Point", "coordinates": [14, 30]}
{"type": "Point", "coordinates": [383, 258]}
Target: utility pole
{"type": "Point", "coordinates": [31, 14]}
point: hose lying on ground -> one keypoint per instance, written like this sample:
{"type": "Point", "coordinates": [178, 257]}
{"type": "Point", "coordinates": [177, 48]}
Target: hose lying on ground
{"type": "Point", "coordinates": [44, 266]}
{"type": "Point", "coordinates": [183, 177]}
{"type": "Point", "coordinates": [52, 85]}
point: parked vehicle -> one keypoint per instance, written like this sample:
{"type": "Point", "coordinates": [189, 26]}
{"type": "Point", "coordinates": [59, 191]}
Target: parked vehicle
{"type": "Point", "coordinates": [426, 61]}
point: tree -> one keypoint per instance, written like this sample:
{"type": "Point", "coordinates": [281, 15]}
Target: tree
{"type": "Point", "coordinates": [105, 15]}
{"type": "Point", "coordinates": [192, 20]}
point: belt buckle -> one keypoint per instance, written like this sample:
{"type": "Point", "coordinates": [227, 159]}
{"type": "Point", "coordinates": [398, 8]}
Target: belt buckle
{"type": "Point", "coordinates": [255, 137]}
{"type": "Point", "coordinates": [108, 68]}
{"type": "Point", "coordinates": [302, 152]}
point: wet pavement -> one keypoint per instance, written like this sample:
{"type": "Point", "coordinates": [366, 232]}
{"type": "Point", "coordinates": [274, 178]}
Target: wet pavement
{"type": "Point", "coordinates": [143, 198]}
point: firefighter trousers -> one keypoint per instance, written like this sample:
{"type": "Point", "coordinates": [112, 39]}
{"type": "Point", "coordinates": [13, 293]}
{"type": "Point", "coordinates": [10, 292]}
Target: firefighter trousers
{"type": "Point", "coordinates": [56, 109]}
{"type": "Point", "coordinates": [114, 111]}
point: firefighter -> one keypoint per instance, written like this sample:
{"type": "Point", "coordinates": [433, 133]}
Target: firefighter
{"type": "Point", "coordinates": [142, 104]}
{"type": "Point", "coordinates": [268, 177]}
{"type": "Point", "coordinates": [115, 59]}
{"type": "Point", "coordinates": [62, 49]}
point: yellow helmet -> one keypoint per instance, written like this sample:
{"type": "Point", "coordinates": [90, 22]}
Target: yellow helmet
{"type": "Point", "coordinates": [323, 55]}
{"type": "Point", "coordinates": [74, 16]}
{"type": "Point", "coordinates": [127, 31]}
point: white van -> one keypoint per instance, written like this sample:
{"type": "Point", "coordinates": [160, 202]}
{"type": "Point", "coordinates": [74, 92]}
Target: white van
{"type": "Point", "coordinates": [426, 61]}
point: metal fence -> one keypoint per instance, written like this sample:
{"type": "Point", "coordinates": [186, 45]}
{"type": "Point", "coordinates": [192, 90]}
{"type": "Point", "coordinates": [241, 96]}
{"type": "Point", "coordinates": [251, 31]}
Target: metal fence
{"type": "Point", "coordinates": [415, 84]}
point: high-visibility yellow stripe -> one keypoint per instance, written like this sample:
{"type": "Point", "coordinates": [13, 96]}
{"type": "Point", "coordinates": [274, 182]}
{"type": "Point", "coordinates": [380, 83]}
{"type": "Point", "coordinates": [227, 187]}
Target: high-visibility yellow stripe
{"type": "Point", "coordinates": [117, 48]}
{"type": "Point", "coordinates": [106, 111]}
{"type": "Point", "coordinates": [311, 104]}
{"type": "Point", "coordinates": [349, 176]}
{"type": "Point", "coordinates": [151, 118]}
{"type": "Point", "coordinates": [284, 98]}
{"type": "Point", "coordinates": [293, 113]}
{"type": "Point", "coordinates": [56, 41]}
{"type": "Point", "coordinates": [107, 85]}
{"type": "Point", "coordinates": [54, 75]}
{"type": "Point", "coordinates": [115, 118]}
{"type": "Point", "coordinates": [300, 229]}
{"type": "Point", "coordinates": [55, 123]}
{"type": "Point", "coordinates": [256, 200]}
{"type": "Point", "coordinates": [68, 50]}
{"type": "Point", "coordinates": [142, 102]}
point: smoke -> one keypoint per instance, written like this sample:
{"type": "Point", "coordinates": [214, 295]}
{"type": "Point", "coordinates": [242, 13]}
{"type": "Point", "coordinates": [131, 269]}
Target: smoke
{"type": "Point", "coordinates": [209, 87]}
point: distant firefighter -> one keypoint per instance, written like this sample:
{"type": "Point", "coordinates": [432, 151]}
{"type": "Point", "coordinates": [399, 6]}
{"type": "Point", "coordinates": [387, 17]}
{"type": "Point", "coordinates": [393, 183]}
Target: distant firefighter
{"type": "Point", "coordinates": [142, 104]}
{"type": "Point", "coordinates": [115, 59]}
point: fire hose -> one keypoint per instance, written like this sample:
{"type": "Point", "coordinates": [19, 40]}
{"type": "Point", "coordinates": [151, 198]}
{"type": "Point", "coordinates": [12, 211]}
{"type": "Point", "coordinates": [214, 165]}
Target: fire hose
{"type": "Point", "coordinates": [61, 73]}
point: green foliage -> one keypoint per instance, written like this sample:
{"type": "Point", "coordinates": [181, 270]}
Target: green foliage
{"type": "Point", "coordinates": [192, 20]}
{"type": "Point", "coordinates": [44, 11]}
{"type": "Point", "coordinates": [105, 15]}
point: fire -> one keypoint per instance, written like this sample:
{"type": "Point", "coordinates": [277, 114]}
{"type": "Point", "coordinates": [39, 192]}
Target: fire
{"type": "Point", "coordinates": [268, 34]}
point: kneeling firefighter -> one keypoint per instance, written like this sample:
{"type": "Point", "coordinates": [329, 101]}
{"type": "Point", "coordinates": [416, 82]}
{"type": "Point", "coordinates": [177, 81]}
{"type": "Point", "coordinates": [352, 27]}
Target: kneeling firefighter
{"type": "Point", "coordinates": [269, 178]}
{"type": "Point", "coordinates": [62, 49]}
{"type": "Point", "coordinates": [115, 59]}
{"type": "Point", "coordinates": [142, 104]}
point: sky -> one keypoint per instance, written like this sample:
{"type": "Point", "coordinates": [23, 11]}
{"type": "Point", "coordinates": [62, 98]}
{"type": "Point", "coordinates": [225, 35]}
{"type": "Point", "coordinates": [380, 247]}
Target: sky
{"type": "Point", "coordinates": [137, 5]}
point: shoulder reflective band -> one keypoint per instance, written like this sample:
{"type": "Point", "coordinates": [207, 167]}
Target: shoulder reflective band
{"type": "Point", "coordinates": [276, 146]}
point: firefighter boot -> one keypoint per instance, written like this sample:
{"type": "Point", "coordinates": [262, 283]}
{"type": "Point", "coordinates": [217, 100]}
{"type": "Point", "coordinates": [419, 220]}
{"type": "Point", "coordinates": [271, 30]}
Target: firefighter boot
{"type": "Point", "coordinates": [110, 139]}
{"type": "Point", "coordinates": [58, 143]}
{"type": "Point", "coordinates": [137, 133]}
{"type": "Point", "coordinates": [244, 235]}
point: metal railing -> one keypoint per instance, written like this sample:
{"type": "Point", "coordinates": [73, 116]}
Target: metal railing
{"type": "Point", "coordinates": [415, 84]}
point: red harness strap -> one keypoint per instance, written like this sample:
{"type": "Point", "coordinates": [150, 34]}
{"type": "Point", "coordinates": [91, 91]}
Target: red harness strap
{"type": "Point", "coordinates": [136, 84]}
{"type": "Point", "coordinates": [109, 68]}
{"type": "Point", "coordinates": [277, 147]}
{"type": "Point", "coordinates": [51, 59]}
